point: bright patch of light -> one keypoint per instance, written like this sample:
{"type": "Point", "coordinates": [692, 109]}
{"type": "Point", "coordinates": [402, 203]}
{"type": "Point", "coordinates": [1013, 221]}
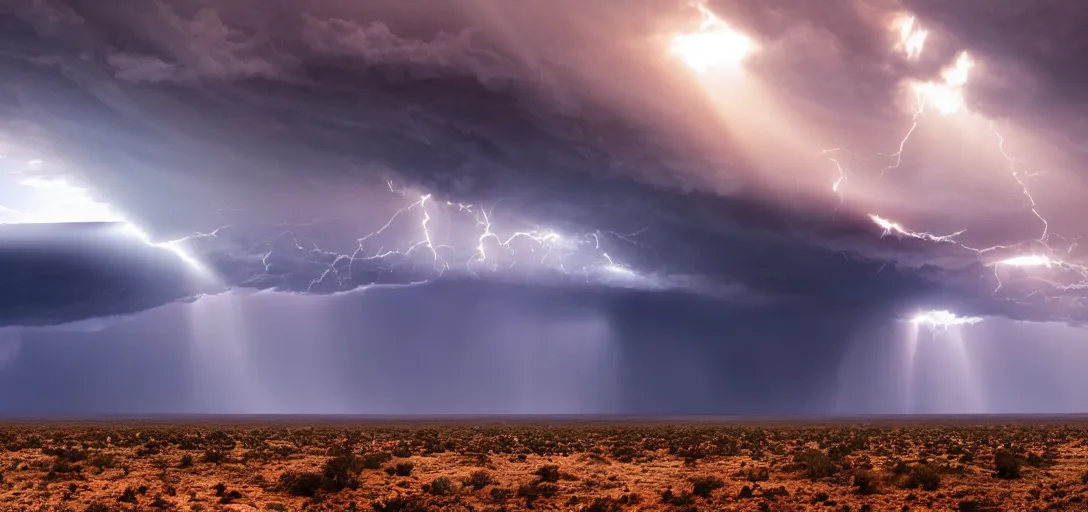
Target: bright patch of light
{"type": "Point", "coordinates": [57, 199]}
{"type": "Point", "coordinates": [172, 246]}
{"type": "Point", "coordinates": [943, 318]}
{"type": "Point", "coordinates": [1031, 260]}
{"type": "Point", "coordinates": [714, 44]}
{"type": "Point", "coordinates": [895, 228]}
{"type": "Point", "coordinates": [946, 96]}
{"type": "Point", "coordinates": [911, 38]}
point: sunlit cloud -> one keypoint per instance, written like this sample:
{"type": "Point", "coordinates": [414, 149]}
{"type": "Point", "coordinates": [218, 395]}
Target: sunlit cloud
{"type": "Point", "coordinates": [715, 44]}
{"type": "Point", "coordinates": [943, 318]}
{"type": "Point", "coordinates": [946, 95]}
{"type": "Point", "coordinates": [912, 39]}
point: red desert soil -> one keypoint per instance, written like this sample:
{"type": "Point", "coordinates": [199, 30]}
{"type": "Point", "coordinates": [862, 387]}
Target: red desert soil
{"type": "Point", "coordinates": [1019, 465]}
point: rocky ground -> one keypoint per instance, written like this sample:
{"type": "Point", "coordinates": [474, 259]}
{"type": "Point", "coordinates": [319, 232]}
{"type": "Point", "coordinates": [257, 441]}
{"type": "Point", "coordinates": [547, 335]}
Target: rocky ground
{"type": "Point", "coordinates": [519, 465]}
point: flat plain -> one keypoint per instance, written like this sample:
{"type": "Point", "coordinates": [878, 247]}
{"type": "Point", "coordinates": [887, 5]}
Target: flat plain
{"type": "Point", "coordinates": [985, 464]}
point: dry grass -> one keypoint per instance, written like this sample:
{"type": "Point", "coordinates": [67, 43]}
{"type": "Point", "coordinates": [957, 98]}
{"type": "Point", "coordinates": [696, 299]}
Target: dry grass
{"type": "Point", "coordinates": [559, 466]}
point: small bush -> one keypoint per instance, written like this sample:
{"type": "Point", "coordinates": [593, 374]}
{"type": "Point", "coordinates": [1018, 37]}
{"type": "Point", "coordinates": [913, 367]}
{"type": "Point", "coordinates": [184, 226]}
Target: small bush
{"type": "Point", "coordinates": [229, 497]}
{"type": "Point", "coordinates": [160, 503]}
{"type": "Point", "coordinates": [1008, 464]}
{"type": "Point", "coordinates": [103, 461]}
{"type": "Point", "coordinates": [403, 468]}
{"type": "Point", "coordinates": [677, 500]}
{"type": "Point", "coordinates": [500, 494]}
{"type": "Point", "coordinates": [300, 484]}
{"type": "Point", "coordinates": [548, 473]}
{"type": "Point", "coordinates": [214, 456]}
{"type": "Point", "coordinates": [441, 486]}
{"type": "Point", "coordinates": [704, 486]}
{"type": "Point", "coordinates": [925, 477]}
{"type": "Point", "coordinates": [128, 496]}
{"type": "Point", "coordinates": [816, 464]}
{"type": "Point", "coordinates": [186, 461]}
{"type": "Point", "coordinates": [402, 451]}
{"type": "Point", "coordinates": [866, 482]}
{"type": "Point", "coordinates": [339, 473]}
{"type": "Point", "coordinates": [375, 460]}
{"type": "Point", "coordinates": [478, 479]}
{"type": "Point", "coordinates": [400, 504]}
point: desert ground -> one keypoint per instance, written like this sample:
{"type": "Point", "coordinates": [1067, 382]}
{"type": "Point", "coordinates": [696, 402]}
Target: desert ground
{"type": "Point", "coordinates": [491, 465]}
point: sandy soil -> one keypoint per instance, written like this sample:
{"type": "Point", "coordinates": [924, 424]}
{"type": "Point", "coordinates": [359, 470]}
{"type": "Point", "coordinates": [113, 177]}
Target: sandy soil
{"type": "Point", "coordinates": [517, 465]}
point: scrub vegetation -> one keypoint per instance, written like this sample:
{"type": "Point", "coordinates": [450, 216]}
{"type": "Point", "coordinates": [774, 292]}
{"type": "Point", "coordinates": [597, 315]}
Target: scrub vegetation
{"type": "Point", "coordinates": [521, 465]}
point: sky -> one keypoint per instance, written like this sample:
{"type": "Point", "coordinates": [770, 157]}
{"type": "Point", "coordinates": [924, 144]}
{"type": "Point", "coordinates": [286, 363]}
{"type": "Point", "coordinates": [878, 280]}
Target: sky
{"type": "Point", "coordinates": [562, 207]}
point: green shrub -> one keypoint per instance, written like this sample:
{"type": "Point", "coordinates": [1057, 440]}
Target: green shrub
{"type": "Point", "coordinates": [441, 486]}
{"type": "Point", "coordinates": [478, 479]}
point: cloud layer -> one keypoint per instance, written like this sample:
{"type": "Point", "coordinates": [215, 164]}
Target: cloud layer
{"type": "Point", "coordinates": [279, 141]}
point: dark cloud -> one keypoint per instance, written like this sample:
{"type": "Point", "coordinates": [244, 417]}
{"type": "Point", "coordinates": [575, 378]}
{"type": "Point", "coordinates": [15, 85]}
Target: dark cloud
{"type": "Point", "coordinates": [298, 131]}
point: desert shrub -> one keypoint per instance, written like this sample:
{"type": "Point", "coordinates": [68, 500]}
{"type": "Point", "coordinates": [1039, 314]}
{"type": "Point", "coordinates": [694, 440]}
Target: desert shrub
{"type": "Point", "coordinates": [402, 451]}
{"type": "Point", "coordinates": [704, 486]}
{"type": "Point", "coordinates": [103, 461]}
{"type": "Point", "coordinates": [533, 490]}
{"type": "Point", "coordinates": [866, 482]}
{"type": "Point", "coordinates": [375, 460]}
{"type": "Point", "coordinates": [440, 486]}
{"type": "Point", "coordinates": [128, 496]}
{"type": "Point", "coordinates": [604, 505]}
{"type": "Point", "coordinates": [213, 456]}
{"type": "Point", "coordinates": [478, 479]}
{"type": "Point", "coordinates": [500, 494]}
{"type": "Point", "coordinates": [296, 483]}
{"type": "Point", "coordinates": [339, 473]}
{"type": "Point", "coordinates": [186, 461]}
{"type": "Point", "coordinates": [925, 477]}
{"type": "Point", "coordinates": [775, 492]}
{"type": "Point", "coordinates": [1007, 464]}
{"type": "Point", "coordinates": [548, 473]}
{"type": "Point", "coordinates": [816, 464]}
{"type": "Point", "coordinates": [400, 504]}
{"type": "Point", "coordinates": [160, 503]}
{"type": "Point", "coordinates": [677, 500]}
{"type": "Point", "coordinates": [403, 468]}
{"type": "Point", "coordinates": [228, 497]}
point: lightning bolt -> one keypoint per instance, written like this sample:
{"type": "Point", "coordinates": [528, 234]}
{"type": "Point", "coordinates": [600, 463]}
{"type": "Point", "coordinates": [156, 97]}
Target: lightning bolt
{"type": "Point", "coordinates": [484, 249]}
{"type": "Point", "coordinates": [945, 96]}
{"type": "Point", "coordinates": [1016, 175]}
